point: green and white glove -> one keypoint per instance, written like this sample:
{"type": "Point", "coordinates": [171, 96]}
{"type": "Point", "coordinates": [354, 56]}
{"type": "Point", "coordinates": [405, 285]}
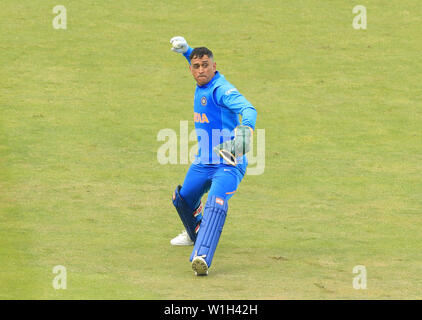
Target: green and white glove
{"type": "Point", "coordinates": [240, 145]}
{"type": "Point", "coordinates": [179, 44]}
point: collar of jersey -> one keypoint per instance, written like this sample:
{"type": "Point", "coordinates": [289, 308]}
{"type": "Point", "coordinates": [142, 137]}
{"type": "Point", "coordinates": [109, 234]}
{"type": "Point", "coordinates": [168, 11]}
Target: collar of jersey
{"type": "Point", "coordinates": [209, 84]}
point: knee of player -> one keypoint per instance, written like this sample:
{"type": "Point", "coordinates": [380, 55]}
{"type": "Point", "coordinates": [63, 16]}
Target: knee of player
{"type": "Point", "coordinates": [217, 200]}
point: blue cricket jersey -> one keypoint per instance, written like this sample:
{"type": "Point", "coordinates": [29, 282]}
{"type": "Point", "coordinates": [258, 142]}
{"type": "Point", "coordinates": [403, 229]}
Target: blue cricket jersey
{"type": "Point", "coordinates": [217, 106]}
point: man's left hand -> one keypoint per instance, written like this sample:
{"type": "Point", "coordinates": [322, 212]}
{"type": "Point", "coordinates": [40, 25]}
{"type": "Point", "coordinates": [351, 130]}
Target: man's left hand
{"type": "Point", "coordinates": [240, 145]}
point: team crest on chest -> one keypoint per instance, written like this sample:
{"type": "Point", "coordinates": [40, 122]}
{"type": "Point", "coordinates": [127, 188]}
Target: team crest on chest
{"type": "Point", "coordinates": [204, 101]}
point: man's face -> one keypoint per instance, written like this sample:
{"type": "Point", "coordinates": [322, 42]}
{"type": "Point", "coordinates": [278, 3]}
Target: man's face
{"type": "Point", "coordinates": [202, 69]}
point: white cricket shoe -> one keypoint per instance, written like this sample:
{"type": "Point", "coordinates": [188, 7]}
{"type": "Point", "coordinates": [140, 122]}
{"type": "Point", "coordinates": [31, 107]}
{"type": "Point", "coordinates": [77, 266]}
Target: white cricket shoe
{"type": "Point", "coordinates": [199, 265]}
{"type": "Point", "coordinates": [182, 239]}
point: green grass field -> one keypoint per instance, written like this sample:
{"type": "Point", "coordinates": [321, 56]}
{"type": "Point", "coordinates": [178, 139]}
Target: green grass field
{"type": "Point", "coordinates": [80, 184]}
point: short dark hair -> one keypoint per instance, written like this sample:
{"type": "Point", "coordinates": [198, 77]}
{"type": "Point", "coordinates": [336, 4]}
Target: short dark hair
{"type": "Point", "coordinates": [200, 52]}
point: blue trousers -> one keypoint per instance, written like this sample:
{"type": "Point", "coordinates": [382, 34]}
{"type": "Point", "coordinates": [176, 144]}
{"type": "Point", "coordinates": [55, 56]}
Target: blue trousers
{"type": "Point", "coordinates": [219, 180]}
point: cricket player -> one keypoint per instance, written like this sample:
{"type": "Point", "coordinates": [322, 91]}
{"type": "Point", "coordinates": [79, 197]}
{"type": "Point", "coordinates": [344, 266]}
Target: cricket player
{"type": "Point", "coordinates": [220, 164]}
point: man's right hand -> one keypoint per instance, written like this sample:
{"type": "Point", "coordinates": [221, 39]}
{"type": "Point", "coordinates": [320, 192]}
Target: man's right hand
{"type": "Point", "coordinates": [179, 44]}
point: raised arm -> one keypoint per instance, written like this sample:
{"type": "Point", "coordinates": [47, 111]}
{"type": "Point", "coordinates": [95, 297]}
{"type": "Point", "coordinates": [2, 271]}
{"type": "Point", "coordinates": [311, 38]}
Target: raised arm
{"type": "Point", "coordinates": [180, 45]}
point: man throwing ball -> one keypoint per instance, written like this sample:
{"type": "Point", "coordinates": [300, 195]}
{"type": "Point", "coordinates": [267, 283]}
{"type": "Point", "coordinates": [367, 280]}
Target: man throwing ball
{"type": "Point", "coordinates": [220, 163]}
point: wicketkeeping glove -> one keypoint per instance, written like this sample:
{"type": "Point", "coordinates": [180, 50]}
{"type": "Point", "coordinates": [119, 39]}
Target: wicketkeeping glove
{"type": "Point", "coordinates": [179, 44]}
{"type": "Point", "coordinates": [231, 149]}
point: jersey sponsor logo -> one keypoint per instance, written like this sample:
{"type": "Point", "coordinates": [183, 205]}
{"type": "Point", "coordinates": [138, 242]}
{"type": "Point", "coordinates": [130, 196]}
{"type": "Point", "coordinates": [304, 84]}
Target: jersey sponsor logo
{"type": "Point", "coordinates": [230, 91]}
{"type": "Point", "coordinates": [219, 201]}
{"type": "Point", "coordinates": [200, 117]}
{"type": "Point", "coordinates": [204, 101]}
